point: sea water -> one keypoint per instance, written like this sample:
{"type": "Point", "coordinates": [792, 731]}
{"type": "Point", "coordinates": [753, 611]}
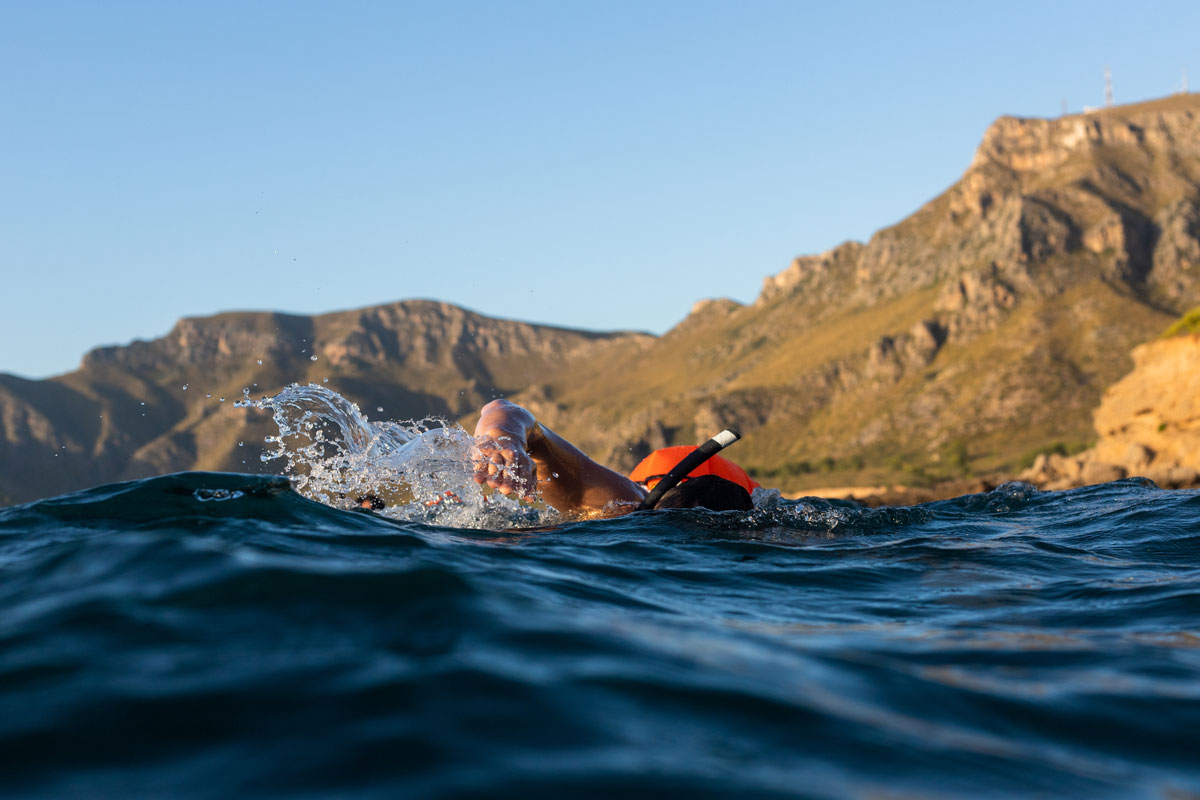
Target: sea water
{"type": "Point", "coordinates": [215, 635]}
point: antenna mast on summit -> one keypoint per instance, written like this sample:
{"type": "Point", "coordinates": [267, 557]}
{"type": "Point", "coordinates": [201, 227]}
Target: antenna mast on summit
{"type": "Point", "coordinates": [1185, 86]}
{"type": "Point", "coordinates": [1108, 96]}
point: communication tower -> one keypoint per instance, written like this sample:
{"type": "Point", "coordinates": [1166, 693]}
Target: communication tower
{"type": "Point", "coordinates": [1108, 96]}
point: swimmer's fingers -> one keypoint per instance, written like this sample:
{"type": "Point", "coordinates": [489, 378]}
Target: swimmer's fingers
{"type": "Point", "coordinates": [506, 469]}
{"type": "Point", "coordinates": [522, 474]}
{"type": "Point", "coordinates": [482, 456]}
{"type": "Point", "coordinates": [486, 457]}
{"type": "Point", "coordinates": [513, 473]}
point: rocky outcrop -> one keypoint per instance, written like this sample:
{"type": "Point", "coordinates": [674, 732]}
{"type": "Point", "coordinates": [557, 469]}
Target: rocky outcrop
{"type": "Point", "coordinates": [1148, 422]}
{"type": "Point", "coordinates": [1119, 185]}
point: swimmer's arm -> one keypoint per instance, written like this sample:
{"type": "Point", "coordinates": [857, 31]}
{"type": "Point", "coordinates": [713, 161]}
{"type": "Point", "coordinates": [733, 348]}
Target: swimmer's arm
{"type": "Point", "coordinates": [513, 450]}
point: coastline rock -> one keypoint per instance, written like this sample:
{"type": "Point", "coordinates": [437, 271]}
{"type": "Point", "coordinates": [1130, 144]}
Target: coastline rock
{"type": "Point", "coordinates": [1153, 414]}
{"type": "Point", "coordinates": [1149, 424]}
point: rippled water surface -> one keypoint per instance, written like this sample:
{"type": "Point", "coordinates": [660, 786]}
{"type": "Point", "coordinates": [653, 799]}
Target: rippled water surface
{"type": "Point", "coordinates": [212, 635]}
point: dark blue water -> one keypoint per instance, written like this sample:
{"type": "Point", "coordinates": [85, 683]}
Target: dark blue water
{"type": "Point", "coordinates": [206, 635]}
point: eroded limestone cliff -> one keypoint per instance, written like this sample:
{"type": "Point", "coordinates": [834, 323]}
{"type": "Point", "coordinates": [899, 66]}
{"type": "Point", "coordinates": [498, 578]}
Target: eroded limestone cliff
{"type": "Point", "coordinates": [1148, 422]}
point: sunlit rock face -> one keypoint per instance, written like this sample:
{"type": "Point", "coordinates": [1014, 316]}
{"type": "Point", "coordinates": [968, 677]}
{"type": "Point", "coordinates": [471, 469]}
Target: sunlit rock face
{"type": "Point", "coordinates": [1148, 422]}
{"type": "Point", "coordinates": [1118, 184]}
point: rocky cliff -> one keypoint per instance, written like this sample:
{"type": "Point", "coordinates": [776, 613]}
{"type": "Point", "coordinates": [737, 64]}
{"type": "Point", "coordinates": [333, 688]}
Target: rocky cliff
{"type": "Point", "coordinates": [960, 340]}
{"type": "Point", "coordinates": [1119, 184]}
{"type": "Point", "coordinates": [1148, 423]}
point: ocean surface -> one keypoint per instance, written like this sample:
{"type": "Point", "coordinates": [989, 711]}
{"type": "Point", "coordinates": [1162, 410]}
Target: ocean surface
{"type": "Point", "coordinates": [207, 635]}
{"type": "Point", "coordinates": [215, 635]}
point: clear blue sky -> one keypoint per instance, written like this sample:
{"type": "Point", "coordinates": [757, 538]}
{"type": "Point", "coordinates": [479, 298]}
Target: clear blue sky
{"type": "Point", "coordinates": [598, 165]}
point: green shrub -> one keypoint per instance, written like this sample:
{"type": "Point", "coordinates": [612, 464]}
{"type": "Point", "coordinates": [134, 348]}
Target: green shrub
{"type": "Point", "coordinates": [1188, 323]}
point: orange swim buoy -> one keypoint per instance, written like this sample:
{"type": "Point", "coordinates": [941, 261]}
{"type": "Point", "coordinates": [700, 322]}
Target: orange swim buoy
{"type": "Point", "coordinates": [656, 465]}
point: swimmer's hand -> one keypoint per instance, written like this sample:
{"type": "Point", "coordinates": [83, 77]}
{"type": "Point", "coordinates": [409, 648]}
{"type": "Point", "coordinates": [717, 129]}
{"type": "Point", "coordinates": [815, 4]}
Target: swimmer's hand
{"type": "Point", "coordinates": [501, 456]}
{"type": "Point", "coordinates": [515, 454]}
{"type": "Point", "coordinates": [502, 463]}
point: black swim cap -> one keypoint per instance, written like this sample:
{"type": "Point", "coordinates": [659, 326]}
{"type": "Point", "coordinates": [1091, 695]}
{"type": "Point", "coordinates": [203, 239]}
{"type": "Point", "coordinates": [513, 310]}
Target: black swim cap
{"type": "Point", "coordinates": [707, 491]}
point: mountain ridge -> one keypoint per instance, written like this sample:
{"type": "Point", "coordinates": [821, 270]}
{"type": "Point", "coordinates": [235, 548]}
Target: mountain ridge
{"type": "Point", "coordinates": [964, 338]}
{"type": "Point", "coordinates": [166, 404]}
{"type": "Point", "coordinates": [1037, 242]}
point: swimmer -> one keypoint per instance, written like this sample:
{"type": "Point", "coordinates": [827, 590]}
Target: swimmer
{"type": "Point", "coordinates": [516, 455]}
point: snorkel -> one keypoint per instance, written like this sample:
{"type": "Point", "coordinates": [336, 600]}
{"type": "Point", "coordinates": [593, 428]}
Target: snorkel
{"type": "Point", "coordinates": [692, 460]}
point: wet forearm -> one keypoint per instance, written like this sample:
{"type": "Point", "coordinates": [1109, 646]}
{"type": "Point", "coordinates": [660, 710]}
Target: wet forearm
{"type": "Point", "coordinates": [571, 481]}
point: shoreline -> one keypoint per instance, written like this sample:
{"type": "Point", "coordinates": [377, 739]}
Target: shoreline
{"type": "Point", "coordinates": [900, 495]}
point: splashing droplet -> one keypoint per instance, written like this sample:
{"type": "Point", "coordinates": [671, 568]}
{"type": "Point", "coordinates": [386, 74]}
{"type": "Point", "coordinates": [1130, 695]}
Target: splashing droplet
{"type": "Point", "coordinates": [420, 470]}
{"type": "Point", "coordinates": [312, 357]}
{"type": "Point", "coordinates": [185, 387]}
{"type": "Point", "coordinates": [379, 408]}
{"type": "Point", "coordinates": [260, 362]}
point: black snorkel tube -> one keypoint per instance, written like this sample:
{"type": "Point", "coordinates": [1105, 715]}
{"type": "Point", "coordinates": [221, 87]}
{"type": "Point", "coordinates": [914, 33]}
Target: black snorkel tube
{"type": "Point", "coordinates": [692, 460]}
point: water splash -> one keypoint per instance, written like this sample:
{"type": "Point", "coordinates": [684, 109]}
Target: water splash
{"type": "Point", "coordinates": [419, 470]}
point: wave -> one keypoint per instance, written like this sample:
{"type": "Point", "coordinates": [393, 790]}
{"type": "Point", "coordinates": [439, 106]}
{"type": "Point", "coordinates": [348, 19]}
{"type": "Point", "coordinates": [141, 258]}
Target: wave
{"type": "Point", "coordinates": [209, 635]}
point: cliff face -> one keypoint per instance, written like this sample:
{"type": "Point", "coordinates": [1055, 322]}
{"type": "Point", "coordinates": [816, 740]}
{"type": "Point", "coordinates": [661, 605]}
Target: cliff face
{"type": "Point", "coordinates": [166, 405]}
{"type": "Point", "coordinates": [1154, 412]}
{"type": "Point", "coordinates": [1149, 424]}
{"type": "Point", "coordinates": [1119, 185]}
{"type": "Point", "coordinates": [969, 334]}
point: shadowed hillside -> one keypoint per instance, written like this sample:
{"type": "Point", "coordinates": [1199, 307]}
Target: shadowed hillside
{"type": "Point", "coordinates": [167, 404]}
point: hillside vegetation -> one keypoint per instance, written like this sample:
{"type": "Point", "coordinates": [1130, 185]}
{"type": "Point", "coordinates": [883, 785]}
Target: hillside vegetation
{"type": "Point", "coordinates": [1188, 323]}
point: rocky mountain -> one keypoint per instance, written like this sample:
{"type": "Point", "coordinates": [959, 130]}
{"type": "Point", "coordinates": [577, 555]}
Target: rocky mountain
{"type": "Point", "coordinates": [968, 338]}
{"type": "Point", "coordinates": [167, 405]}
{"type": "Point", "coordinates": [981, 329]}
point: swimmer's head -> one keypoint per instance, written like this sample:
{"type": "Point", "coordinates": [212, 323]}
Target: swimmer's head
{"type": "Point", "coordinates": [707, 491]}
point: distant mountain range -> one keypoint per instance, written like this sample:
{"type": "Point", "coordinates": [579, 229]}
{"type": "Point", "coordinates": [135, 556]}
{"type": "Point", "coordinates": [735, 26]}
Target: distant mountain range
{"type": "Point", "coordinates": [967, 338]}
{"type": "Point", "coordinates": [167, 405]}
